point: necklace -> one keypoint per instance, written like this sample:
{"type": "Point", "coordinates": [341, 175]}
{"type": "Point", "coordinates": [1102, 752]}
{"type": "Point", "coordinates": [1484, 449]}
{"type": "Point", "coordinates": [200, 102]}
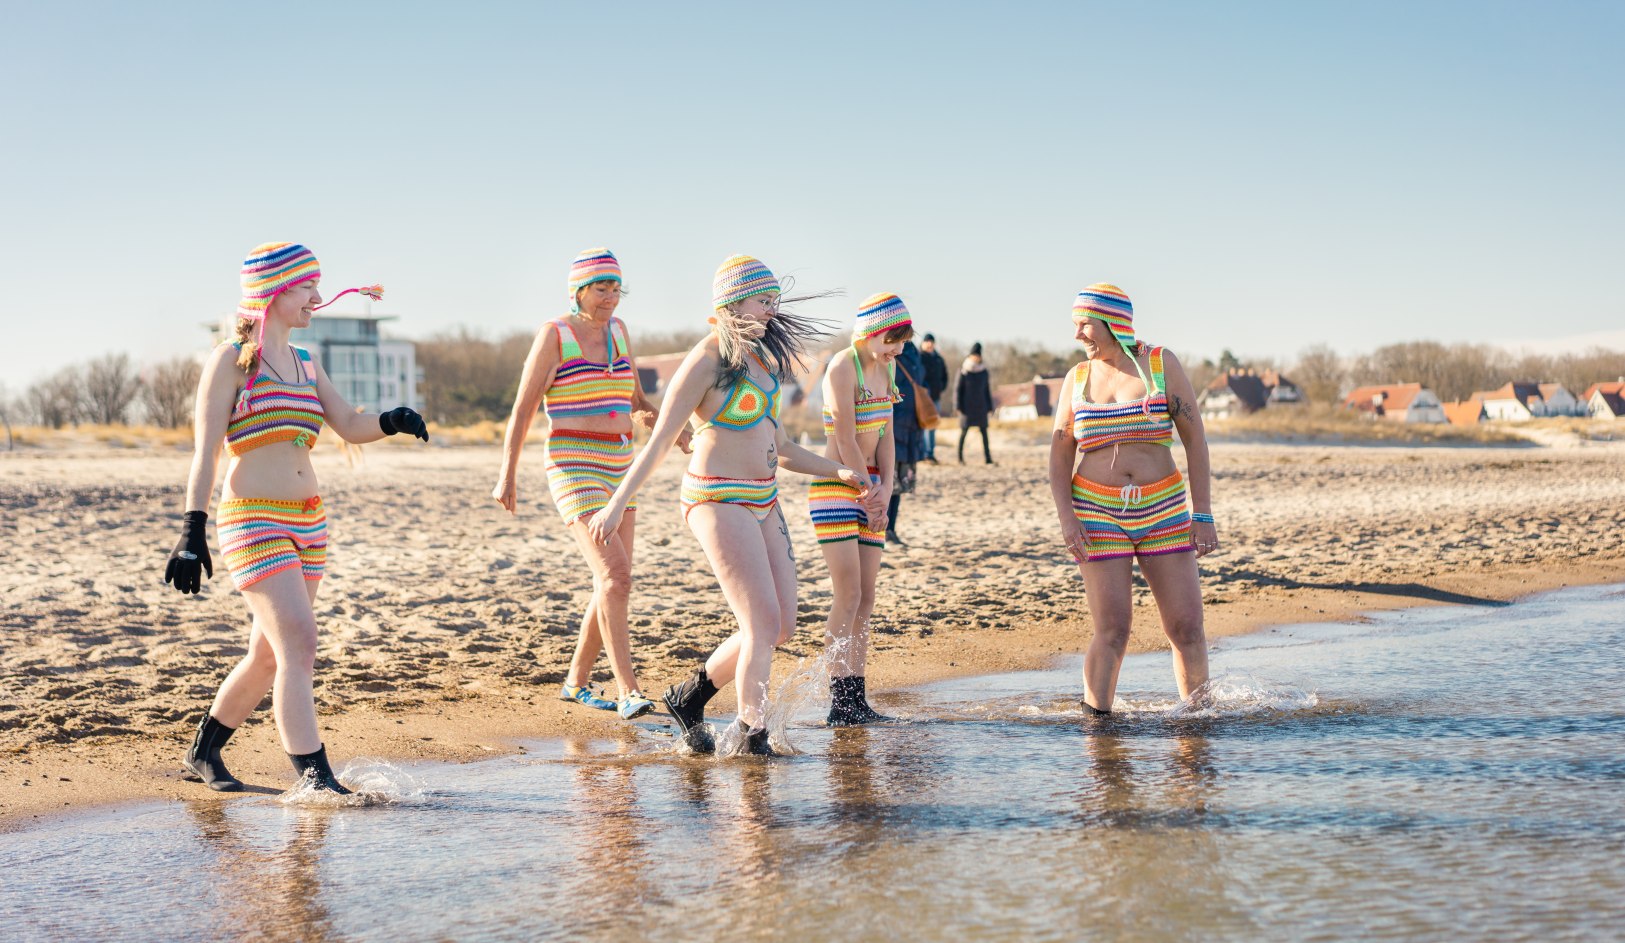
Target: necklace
{"type": "Point", "coordinates": [609, 343]}
{"type": "Point", "coordinates": [266, 362]}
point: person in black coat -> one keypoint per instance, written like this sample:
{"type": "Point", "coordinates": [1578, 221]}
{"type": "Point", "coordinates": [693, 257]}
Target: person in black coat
{"type": "Point", "coordinates": [907, 437]}
{"type": "Point", "coordinates": [936, 383]}
{"type": "Point", "coordinates": [973, 399]}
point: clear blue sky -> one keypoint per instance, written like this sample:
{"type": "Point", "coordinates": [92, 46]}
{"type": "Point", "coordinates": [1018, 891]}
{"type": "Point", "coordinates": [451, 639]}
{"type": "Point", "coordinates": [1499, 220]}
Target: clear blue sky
{"type": "Point", "coordinates": [1258, 176]}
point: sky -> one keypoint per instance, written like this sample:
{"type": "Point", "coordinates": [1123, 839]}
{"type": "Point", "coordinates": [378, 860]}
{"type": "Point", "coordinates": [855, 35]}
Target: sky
{"type": "Point", "coordinates": [1258, 177]}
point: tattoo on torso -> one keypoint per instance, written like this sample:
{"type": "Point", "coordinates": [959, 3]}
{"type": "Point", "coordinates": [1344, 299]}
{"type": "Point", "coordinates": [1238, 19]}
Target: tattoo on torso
{"type": "Point", "coordinates": [773, 457]}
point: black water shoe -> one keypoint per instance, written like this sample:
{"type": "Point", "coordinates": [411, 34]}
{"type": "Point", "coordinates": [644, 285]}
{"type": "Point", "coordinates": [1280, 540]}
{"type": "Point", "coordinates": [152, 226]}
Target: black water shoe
{"type": "Point", "coordinates": [203, 759]}
{"type": "Point", "coordinates": [849, 704]}
{"type": "Point", "coordinates": [755, 740]}
{"type": "Point", "coordinates": [314, 768]}
{"type": "Point", "coordinates": [686, 704]}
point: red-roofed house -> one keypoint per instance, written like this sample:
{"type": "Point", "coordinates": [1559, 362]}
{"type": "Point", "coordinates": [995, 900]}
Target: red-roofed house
{"type": "Point", "coordinates": [1605, 400]}
{"type": "Point", "coordinates": [1468, 412]}
{"type": "Point", "coordinates": [1397, 402]}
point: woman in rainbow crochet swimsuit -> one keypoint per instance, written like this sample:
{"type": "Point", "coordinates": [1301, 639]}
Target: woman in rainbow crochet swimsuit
{"type": "Point", "coordinates": [266, 400]}
{"type": "Point", "coordinates": [731, 383]}
{"type": "Point", "coordinates": [860, 387]}
{"type": "Point", "coordinates": [581, 369]}
{"type": "Point", "coordinates": [1120, 497]}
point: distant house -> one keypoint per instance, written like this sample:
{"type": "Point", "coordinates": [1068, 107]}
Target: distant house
{"type": "Point", "coordinates": [1239, 392]}
{"type": "Point", "coordinates": [1605, 400]}
{"type": "Point", "coordinates": [1396, 402]}
{"type": "Point", "coordinates": [1468, 412]}
{"type": "Point", "coordinates": [1030, 400]}
{"type": "Point", "coordinates": [1518, 401]}
{"type": "Point", "coordinates": [1559, 401]}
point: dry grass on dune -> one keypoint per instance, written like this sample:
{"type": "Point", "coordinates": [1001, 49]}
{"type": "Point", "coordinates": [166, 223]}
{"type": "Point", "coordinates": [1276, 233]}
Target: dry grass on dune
{"type": "Point", "coordinates": [1319, 422]}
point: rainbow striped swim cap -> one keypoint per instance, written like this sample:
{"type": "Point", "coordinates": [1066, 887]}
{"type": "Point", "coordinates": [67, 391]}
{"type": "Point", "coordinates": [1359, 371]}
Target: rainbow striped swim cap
{"type": "Point", "coordinates": [740, 277]}
{"type": "Point", "coordinates": [272, 267]}
{"type": "Point", "coordinates": [1110, 304]}
{"type": "Point", "coordinates": [593, 265]}
{"type": "Point", "coordinates": [879, 314]}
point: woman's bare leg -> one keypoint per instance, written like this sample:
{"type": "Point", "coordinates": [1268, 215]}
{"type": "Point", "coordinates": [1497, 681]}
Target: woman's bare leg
{"type": "Point", "coordinates": [612, 589]}
{"type": "Point", "coordinates": [735, 544]}
{"type": "Point", "coordinates": [1177, 587]}
{"type": "Point", "coordinates": [1110, 587]}
{"type": "Point", "coordinates": [284, 612]}
{"type": "Point", "coordinates": [594, 630]}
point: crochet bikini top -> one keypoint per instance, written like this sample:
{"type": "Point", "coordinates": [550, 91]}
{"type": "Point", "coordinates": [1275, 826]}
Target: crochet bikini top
{"type": "Point", "coordinates": [271, 410]}
{"type": "Point", "coordinates": [869, 413]}
{"type": "Point", "coordinates": [747, 404]}
{"type": "Point", "coordinates": [583, 387]}
{"type": "Point", "coordinates": [1097, 425]}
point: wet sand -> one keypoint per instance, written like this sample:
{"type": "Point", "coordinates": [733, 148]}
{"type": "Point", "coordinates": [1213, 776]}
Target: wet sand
{"type": "Point", "coordinates": [447, 625]}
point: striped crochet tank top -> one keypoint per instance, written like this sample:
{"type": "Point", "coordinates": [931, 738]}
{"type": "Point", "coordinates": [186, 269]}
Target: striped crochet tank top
{"type": "Point", "coordinates": [583, 387]}
{"type": "Point", "coordinates": [1098, 425]}
{"type": "Point", "coordinates": [870, 413]}
{"type": "Point", "coordinates": [270, 410]}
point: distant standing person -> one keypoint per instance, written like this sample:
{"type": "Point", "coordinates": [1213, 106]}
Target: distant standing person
{"type": "Point", "coordinates": [908, 439]}
{"type": "Point", "coordinates": [580, 369]}
{"type": "Point", "coordinates": [973, 400]}
{"type": "Point", "coordinates": [266, 401]}
{"type": "Point", "coordinates": [936, 383]}
{"type": "Point", "coordinates": [1120, 496]}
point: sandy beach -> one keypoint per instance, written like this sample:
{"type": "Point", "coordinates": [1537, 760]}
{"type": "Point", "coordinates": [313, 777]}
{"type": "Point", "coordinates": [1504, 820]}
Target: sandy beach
{"type": "Point", "coordinates": [447, 624]}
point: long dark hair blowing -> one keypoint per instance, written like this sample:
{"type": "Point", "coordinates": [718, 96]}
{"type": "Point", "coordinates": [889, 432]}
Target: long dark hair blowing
{"type": "Point", "coordinates": [783, 348]}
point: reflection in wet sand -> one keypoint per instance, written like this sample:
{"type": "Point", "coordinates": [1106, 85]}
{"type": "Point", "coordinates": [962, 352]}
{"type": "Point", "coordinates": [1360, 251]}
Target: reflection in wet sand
{"type": "Point", "coordinates": [1399, 806]}
{"type": "Point", "coordinates": [271, 891]}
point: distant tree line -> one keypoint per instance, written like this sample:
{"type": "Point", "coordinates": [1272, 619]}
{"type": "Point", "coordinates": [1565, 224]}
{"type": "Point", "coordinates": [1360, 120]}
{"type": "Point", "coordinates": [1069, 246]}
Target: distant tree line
{"type": "Point", "coordinates": [109, 390]}
{"type": "Point", "coordinates": [469, 378]}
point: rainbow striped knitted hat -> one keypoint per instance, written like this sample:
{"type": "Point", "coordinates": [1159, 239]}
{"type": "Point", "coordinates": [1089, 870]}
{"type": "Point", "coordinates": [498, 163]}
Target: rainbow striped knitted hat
{"type": "Point", "coordinates": [740, 277]}
{"type": "Point", "coordinates": [272, 267]}
{"type": "Point", "coordinates": [593, 265]}
{"type": "Point", "coordinates": [879, 314]}
{"type": "Point", "coordinates": [1110, 304]}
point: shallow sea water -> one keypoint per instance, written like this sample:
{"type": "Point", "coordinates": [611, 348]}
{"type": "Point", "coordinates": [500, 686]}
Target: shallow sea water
{"type": "Point", "coordinates": [1435, 774]}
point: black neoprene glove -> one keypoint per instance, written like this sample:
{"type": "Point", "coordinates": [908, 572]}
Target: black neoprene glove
{"type": "Point", "coordinates": [403, 419]}
{"type": "Point", "coordinates": [190, 557]}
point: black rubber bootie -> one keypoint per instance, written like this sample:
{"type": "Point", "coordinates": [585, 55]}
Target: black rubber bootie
{"type": "Point", "coordinates": [203, 759]}
{"type": "Point", "coordinates": [686, 703]}
{"type": "Point", "coordinates": [755, 740]}
{"type": "Point", "coordinates": [314, 768]}
{"type": "Point", "coordinates": [849, 703]}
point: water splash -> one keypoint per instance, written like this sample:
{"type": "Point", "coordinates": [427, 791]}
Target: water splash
{"type": "Point", "coordinates": [371, 783]}
{"type": "Point", "coordinates": [1237, 694]}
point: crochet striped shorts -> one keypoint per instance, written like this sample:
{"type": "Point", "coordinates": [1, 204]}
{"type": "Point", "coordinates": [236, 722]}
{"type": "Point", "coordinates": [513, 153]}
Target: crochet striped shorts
{"type": "Point", "coordinates": [584, 469]}
{"type": "Point", "coordinates": [838, 515]}
{"type": "Point", "coordinates": [1133, 520]}
{"type": "Point", "coordinates": [757, 495]}
{"type": "Point", "coordinates": [262, 536]}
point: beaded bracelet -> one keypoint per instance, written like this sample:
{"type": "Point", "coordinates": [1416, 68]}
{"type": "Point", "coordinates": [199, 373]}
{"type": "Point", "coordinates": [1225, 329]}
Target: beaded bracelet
{"type": "Point", "coordinates": [1201, 518]}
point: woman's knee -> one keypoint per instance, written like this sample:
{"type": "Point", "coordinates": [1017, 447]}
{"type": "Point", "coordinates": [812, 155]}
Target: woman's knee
{"type": "Point", "coordinates": [297, 651]}
{"type": "Point", "coordinates": [1185, 631]}
{"type": "Point", "coordinates": [1113, 636]}
{"type": "Point", "coordinates": [615, 579]}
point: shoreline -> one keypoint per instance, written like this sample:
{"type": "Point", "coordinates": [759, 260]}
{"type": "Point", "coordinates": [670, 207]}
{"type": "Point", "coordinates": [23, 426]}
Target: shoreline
{"type": "Point", "coordinates": [67, 779]}
{"type": "Point", "coordinates": [447, 624]}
